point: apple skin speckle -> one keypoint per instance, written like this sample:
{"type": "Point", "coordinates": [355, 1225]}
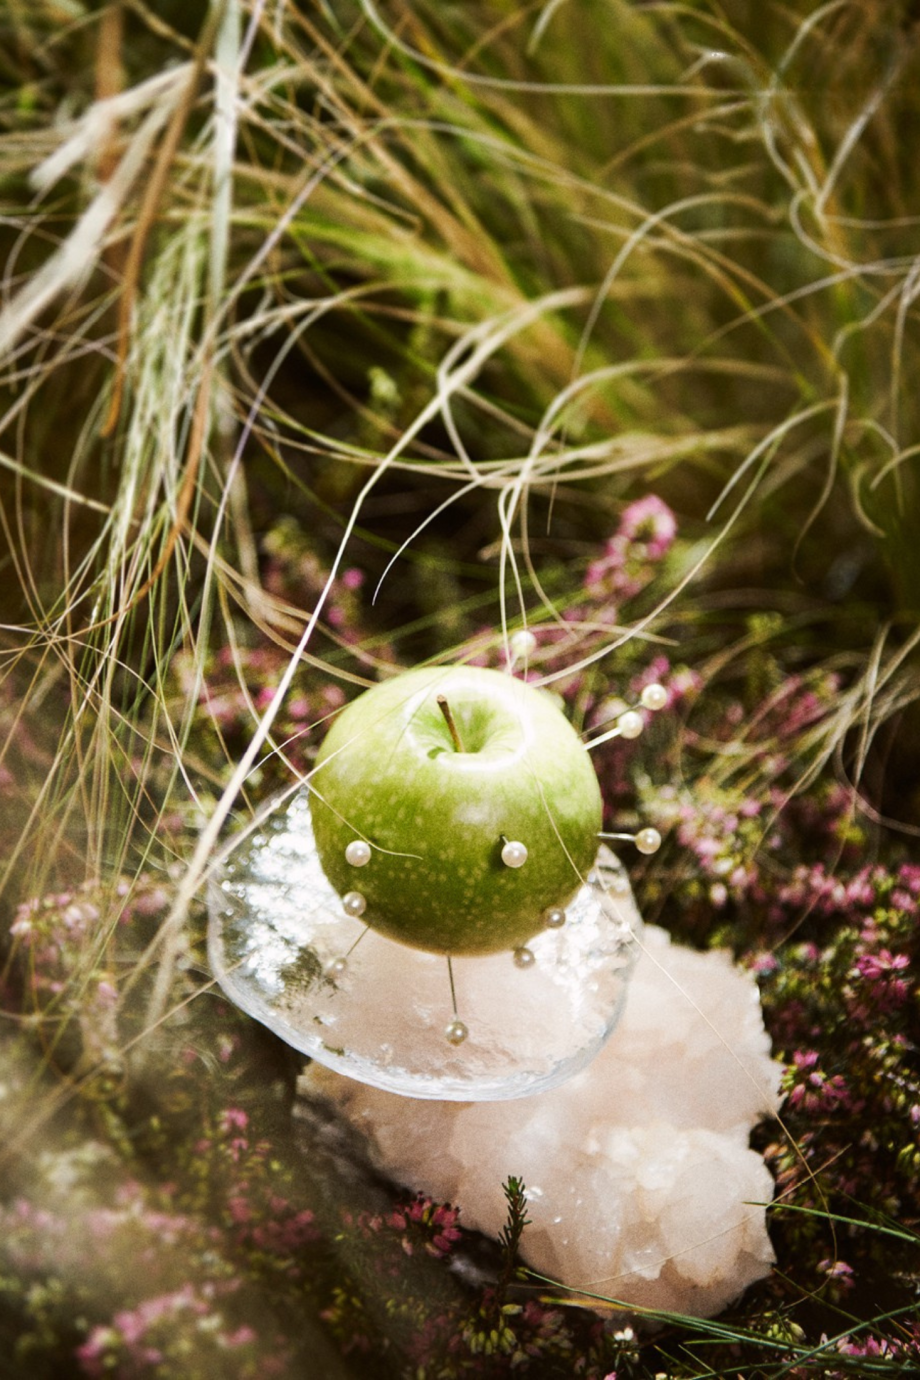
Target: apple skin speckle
{"type": "Point", "coordinates": [435, 818]}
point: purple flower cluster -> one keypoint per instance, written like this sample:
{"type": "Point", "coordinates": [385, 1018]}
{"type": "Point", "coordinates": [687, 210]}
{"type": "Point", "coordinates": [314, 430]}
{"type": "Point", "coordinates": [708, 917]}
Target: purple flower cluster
{"type": "Point", "coordinates": [643, 538]}
{"type": "Point", "coordinates": [174, 1265]}
{"type": "Point", "coordinates": [440, 1219]}
{"type": "Point", "coordinates": [814, 1092]}
{"type": "Point", "coordinates": [137, 1341]}
{"type": "Point", "coordinates": [842, 1007]}
{"type": "Point", "coordinates": [65, 946]}
{"type": "Point", "coordinates": [293, 572]}
{"type": "Point", "coordinates": [237, 687]}
{"type": "Point", "coordinates": [721, 832]}
{"type": "Point", "coordinates": [630, 563]}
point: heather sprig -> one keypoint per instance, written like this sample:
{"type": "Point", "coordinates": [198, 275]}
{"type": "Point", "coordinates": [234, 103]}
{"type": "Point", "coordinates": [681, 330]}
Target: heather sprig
{"type": "Point", "coordinates": [845, 1013]}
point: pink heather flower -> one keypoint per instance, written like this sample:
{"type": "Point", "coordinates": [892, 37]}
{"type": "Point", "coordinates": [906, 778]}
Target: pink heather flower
{"type": "Point", "coordinates": [239, 1210]}
{"type": "Point", "coordinates": [91, 1354]}
{"type": "Point", "coordinates": [446, 1218]}
{"type": "Point", "coordinates": [685, 682]}
{"type": "Point", "coordinates": [106, 995]}
{"type": "Point", "coordinates": [866, 1346]}
{"type": "Point", "coordinates": [645, 532]}
{"type": "Point", "coordinates": [909, 876]}
{"type": "Point", "coordinates": [78, 913]}
{"type": "Point", "coordinates": [151, 902]}
{"type": "Point", "coordinates": [129, 1328]}
{"type": "Point", "coordinates": [129, 1194]}
{"type": "Point", "coordinates": [21, 927]}
{"type": "Point", "coordinates": [234, 1118]}
{"type": "Point", "coordinates": [241, 1337]}
{"type": "Point", "coordinates": [816, 1093]}
{"type": "Point", "coordinates": [880, 965]}
{"type": "Point", "coordinates": [353, 578]}
{"type": "Point", "coordinates": [883, 988]}
{"type": "Point", "coordinates": [333, 696]}
{"type": "Point", "coordinates": [657, 670]}
{"type": "Point", "coordinates": [650, 521]}
{"type": "Point", "coordinates": [860, 891]}
{"type": "Point", "coordinates": [595, 574]}
{"type": "Point", "coordinates": [287, 1236]}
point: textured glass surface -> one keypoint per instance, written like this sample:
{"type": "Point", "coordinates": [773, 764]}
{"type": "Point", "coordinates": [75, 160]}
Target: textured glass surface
{"type": "Point", "coordinates": [277, 928]}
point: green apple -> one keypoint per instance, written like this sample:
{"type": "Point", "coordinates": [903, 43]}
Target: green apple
{"type": "Point", "coordinates": [455, 809]}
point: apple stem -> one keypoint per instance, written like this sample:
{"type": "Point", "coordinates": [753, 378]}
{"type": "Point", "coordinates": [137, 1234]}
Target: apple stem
{"type": "Point", "coordinates": [451, 723]}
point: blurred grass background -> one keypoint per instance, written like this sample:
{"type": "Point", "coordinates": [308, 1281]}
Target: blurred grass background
{"type": "Point", "coordinates": [428, 292]}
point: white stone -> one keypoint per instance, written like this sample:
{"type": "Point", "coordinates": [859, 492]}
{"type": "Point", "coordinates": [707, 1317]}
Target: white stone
{"type": "Point", "coordinates": [641, 1184]}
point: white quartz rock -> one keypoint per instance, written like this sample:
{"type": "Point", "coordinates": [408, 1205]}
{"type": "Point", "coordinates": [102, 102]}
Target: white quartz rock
{"type": "Point", "coordinates": [640, 1182]}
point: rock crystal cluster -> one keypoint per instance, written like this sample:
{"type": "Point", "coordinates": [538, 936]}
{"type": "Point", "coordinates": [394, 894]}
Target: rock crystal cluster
{"type": "Point", "coordinates": [640, 1181]}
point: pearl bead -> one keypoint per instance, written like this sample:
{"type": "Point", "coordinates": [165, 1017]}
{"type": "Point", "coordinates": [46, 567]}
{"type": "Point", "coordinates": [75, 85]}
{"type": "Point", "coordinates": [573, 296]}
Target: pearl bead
{"type": "Point", "coordinates": [455, 1033]}
{"type": "Point", "coordinates": [554, 918]}
{"type": "Point", "coordinates": [630, 724]}
{"type": "Point", "coordinates": [524, 958]}
{"type": "Point", "coordinates": [336, 968]}
{"type": "Point", "coordinates": [358, 853]}
{"type": "Point", "coordinates": [522, 643]}
{"type": "Point", "coordinates": [353, 903]}
{"type": "Point", "coordinates": [654, 697]}
{"type": "Point", "coordinates": [648, 840]}
{"type": "Point", "coordinates": [514, 854]}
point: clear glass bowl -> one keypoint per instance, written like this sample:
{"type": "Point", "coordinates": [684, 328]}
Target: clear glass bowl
{"type": "Point", "coordinates": [277, 934]}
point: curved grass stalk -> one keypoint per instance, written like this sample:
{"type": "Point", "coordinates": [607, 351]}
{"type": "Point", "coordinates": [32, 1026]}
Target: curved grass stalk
{"type": "Point", "coordinates": [641, 311]}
